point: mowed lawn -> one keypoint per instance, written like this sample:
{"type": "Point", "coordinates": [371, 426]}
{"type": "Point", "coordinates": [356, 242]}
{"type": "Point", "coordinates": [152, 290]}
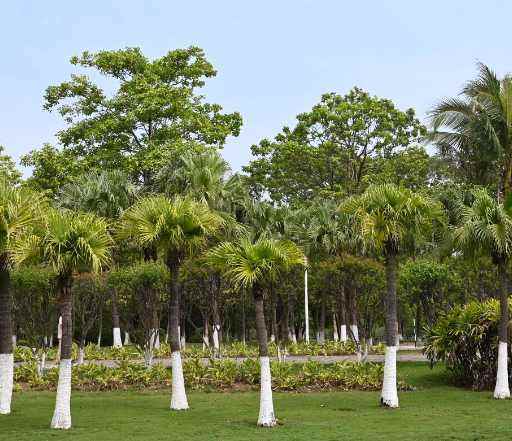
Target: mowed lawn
{"type": "Point", "coordinates": [435, 411]}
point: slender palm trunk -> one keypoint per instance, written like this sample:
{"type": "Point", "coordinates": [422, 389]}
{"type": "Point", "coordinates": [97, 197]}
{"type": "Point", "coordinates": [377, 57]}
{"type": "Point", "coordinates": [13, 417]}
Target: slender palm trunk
{"type": "Point", "coordinates": [178, 394]}
{"type": "Point", "coordinates": [116, 330]}
{"type": "Point", "coordinates": [62, 414]}
{"type": "Point", "coordinates": [389, 395]}
{"type": "Point", "coordinates": [6, 355]}
{"type": "Point", "coordinates": [266, 417]}
{"type": "Point", "coordinates": [502, 390]}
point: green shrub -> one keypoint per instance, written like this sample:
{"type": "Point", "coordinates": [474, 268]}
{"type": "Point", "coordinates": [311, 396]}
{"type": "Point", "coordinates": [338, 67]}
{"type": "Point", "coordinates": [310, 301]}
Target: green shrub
{"type": "Point", "coordinates": [213, 375]}
{"type": "Point", "coordinates": [466, 339]}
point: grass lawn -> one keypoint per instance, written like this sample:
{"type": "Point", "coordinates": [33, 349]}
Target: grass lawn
{"type": "Point", "coordinates": [435, 411]}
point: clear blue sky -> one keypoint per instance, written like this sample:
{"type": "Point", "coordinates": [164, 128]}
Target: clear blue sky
{"type": "Point", "coordinates": [274, 58]}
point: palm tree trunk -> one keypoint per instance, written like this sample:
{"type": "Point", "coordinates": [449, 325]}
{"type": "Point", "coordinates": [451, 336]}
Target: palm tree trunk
{"type": "Point", "coordinates": [178, 394]}
{"type": "Point", "coordinates": [389, 395]}
{"type": "Point", "coordinates": [266, 417]}
{"type": "Point", "coordinates": [62, 414]}
{"type": "Point", "coordinates": [6, 355]}
{"type": "Point", "coordinates": [502, 391]}
{"type": "Point", "coordinates": [116, 330]}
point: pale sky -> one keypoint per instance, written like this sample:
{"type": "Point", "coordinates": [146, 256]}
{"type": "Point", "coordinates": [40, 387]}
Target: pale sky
{"type": "Point", "coordinates": [274, 58]}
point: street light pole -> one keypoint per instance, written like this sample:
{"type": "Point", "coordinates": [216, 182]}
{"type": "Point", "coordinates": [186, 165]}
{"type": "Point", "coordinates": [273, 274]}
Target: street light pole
{"type": "Point", "coordinates": [306, 302]}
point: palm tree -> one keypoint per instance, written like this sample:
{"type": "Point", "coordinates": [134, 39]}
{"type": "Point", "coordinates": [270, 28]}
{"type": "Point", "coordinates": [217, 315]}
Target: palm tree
{"type": "Point", "coordinates": [249, 264]}
{"type": "Point", "coordinates": [70, 242]}
{"type": "Point", "coordinates": [206, 178]}
{"type": "Point", "coordinates": [106, 194]}
{"type": "Point", "coordinates": [18, 211]}
{"type": "Point", "coordinates": [476, 129]}
{"type": "Point", "coordinates": [486, 228]}
{"type": "Point", "coordinates": [392, 221]}
{"type": "Point", "coordinates": [178, 227]}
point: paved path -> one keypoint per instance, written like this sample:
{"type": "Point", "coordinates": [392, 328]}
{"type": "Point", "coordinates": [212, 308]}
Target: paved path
{"type": "Point", "coordinates": [406, 353]}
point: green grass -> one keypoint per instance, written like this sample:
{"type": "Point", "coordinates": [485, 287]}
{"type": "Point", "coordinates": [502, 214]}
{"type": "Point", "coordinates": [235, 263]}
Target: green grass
{"type": "Point", "coordinates": [435, 411]}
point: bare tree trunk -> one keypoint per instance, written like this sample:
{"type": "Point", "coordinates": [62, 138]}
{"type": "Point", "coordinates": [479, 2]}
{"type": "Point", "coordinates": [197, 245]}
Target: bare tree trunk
{"type": "Point", "coordinates": [321, 325]}
{"type": "Point", "coordinates": [116, 330]}
{"type": "Point", "coordinates": [214, 290]}
{"type": "Point", "coordinates": [352, 312]}
{"type": "Point", "coordinates": [341, 315]}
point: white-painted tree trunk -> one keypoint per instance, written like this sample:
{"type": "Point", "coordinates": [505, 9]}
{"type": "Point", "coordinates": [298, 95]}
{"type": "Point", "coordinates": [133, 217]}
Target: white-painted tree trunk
{"type": "Point", "coordinates": [355, 332]}
{"type": "Point", "coordinates": [6, 382]}
{"type": "Point", "coordinates": [272, 338]}
{"type": "Point", "coordinates": [178, 394]}
{"type": "Point", "coordinates": [502, 391]}
{"type": "Point", "coordinates": [62, 414]}
{"type": "Point", "coordinates": [389, 395]}
{"type": "Point", "coordinates": [41, 364]}
{"type": "Point", "coordinates": [127, 339]}
{"type": "Point", "coordinates": [156, 338]}
{"type": "Point", "coordinates": [370, 341]}
{"type": "Point", "coordinates": [343, 333]}
{"type": "Point", "coordinates": [306, 305]}
{"type": "Point", "coordinates": [117, 343]}
{"type": "Point", "coordinates": [266, 417]}
{"type": "Point", "coordinates": [215, 337]}
{"type": "Point", "coordinates": [81, 356]}
{"type": "Point", "coordinates": [183, 342]}
{"type": "Point", "coordinates": [335, 334]}
{"type": "Point", "coordinates": [14, 341]}
{"type": "Point", "coordinates": [148, 357]}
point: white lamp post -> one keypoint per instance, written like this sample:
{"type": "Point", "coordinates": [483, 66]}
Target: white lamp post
{"type": "Point", "coordinates": [306, 301]}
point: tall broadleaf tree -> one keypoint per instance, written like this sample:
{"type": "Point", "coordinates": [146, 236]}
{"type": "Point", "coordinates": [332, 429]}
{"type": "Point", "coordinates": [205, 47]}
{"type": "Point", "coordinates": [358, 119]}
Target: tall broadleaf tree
{"type": "Point", "coordinates": [154, 111]}
{"type": "Point", "coordinates": [177, 228]}
{"type": "Point", "coordinates": [330, 151]}
{"type": "Point", "coordinates": [392, 221]}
